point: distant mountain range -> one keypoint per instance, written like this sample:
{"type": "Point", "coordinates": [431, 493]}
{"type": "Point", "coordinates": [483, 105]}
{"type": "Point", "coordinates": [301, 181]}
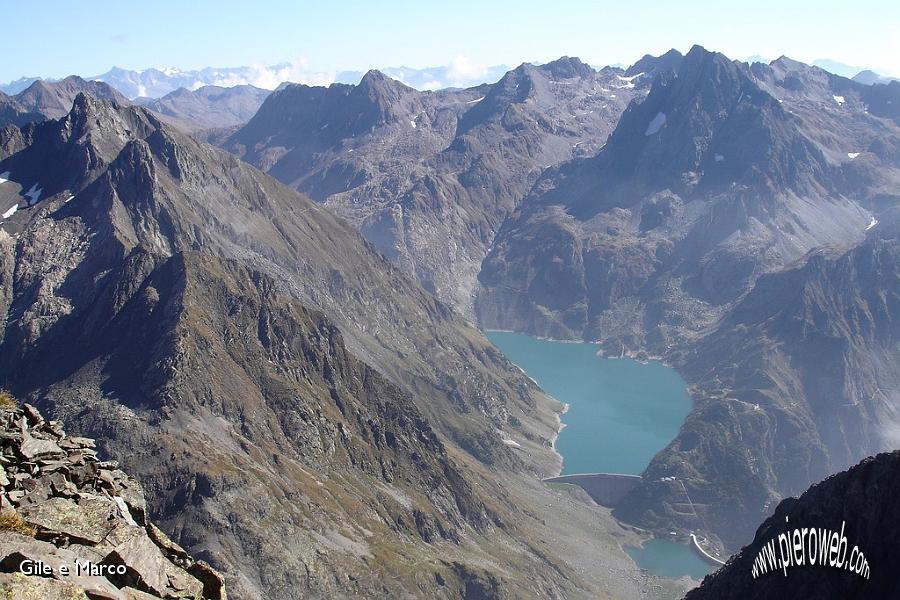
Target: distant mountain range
{"type": "Point", "coordinates": [429, 177]}
{"type": "Point", "coordinates": [461, 73]}
{"type": "Point", "coordinates": [158, 82]}
{"type": "Point", "coordinates": [206, 108]}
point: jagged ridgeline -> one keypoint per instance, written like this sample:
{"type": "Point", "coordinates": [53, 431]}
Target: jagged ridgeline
{"type": "Point", "coordinates": [72, 526]}
{"type": "Point", "coordinates": [301, 414]}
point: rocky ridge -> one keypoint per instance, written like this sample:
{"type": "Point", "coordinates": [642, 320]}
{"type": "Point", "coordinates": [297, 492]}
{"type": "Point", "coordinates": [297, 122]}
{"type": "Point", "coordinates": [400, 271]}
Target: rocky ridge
{"type": "Point", "coordinates": [62, 506]}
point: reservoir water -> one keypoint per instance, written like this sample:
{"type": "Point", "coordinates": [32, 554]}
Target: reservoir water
{"type": "Point", "coordinates": [621, 413]}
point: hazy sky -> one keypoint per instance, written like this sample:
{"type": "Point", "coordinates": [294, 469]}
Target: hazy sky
{"type": "Point", "coordinates": [55, 38]}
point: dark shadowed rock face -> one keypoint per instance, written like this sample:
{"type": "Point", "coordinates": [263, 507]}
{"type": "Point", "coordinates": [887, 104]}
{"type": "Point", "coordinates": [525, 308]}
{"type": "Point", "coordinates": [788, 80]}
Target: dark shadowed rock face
{"type": "Point", "coordinates": [429, 177]}
{"type": "Point", "coordinates": [60, 505]}
{"type": "Point", "coordinates": [863, 501]}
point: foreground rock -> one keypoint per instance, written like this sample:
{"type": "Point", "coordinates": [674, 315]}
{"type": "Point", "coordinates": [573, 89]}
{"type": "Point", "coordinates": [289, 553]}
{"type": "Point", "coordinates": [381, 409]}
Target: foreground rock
{"type": "Point", "coordinates": [84, 521]}
{"type": "Point", "coordinates": [863, 501]}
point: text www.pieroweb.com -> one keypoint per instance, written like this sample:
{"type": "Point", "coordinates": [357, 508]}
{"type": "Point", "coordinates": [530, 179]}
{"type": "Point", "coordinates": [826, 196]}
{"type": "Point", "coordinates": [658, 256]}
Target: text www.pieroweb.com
{"type": "Point", "coordinates": [811, 546]}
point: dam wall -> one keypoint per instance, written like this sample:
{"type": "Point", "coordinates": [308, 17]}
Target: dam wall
{"type": "Point", "coordinates": [606, 489]}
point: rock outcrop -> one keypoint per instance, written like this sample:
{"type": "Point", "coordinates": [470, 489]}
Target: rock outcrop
{"type": "Point", "coordinates": [860, 503]}
{"type": "Point", "coordinates": [73, 526]}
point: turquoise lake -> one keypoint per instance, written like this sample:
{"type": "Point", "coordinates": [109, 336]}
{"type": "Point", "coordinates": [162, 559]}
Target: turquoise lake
{"type": "Point", "coordinates": [621, 413]}
{"type": "Point", "coordinates": [669, 559]}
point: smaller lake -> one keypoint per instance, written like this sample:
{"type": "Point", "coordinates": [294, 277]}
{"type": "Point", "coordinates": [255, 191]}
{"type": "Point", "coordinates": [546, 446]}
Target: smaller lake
{"type": "Point", "coordinates": [669, 559]}
{"type": "Point", "coordinates": [621, 412]}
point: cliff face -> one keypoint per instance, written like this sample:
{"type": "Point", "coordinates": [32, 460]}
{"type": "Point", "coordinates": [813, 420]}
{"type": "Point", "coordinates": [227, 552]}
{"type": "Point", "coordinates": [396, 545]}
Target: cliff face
{"type": "Point", "coordinates": [75, 527]}
{"type": "Point", "coordinates": [862, 502]}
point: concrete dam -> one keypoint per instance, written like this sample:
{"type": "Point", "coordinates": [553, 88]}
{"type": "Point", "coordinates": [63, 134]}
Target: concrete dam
{"type": "Point", "coordinates": [606, 489]}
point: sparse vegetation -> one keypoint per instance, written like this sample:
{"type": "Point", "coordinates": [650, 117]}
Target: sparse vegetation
{"type": "Point", "coordinates": [7, 400]}
{"type": "Point", "coordinates": [11, 521]}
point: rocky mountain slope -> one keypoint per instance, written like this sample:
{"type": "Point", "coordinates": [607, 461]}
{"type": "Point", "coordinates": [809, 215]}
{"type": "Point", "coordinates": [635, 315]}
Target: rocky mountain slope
{"type": "Point", "coordinates": [209, 107]}
{"type": "Point", "coordinates": [429, 177]}
{"type": "Point", "coordinates": [302, 415]}
{"type": "Point", "coordinates": [720, 175]}
{"type": "Point", "coordinates": [84, 519]}
{"type": "Point", "coordinates": [862, 501]}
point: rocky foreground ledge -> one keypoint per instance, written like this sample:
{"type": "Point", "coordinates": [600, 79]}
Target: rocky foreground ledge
{"type": "Point", "coordinates": [72, 526]}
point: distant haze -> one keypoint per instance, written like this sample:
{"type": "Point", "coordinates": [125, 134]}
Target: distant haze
{"type": "Point", "coordinates": [316, 42]}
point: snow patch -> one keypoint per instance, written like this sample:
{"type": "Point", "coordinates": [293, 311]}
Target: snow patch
{"type": "Point", "coordinates": [475, 100]}
{"type": "Point", "coordinates": [719, 158]}
{"type": "Point", "coordinates": [4, 176]}
{"type": "Point", "coordinates": [11, 211]}
{"type": "Point", "coordinates": [34, 194]}
{"type": "Point", "coordinates": [69, 199]}
{"type": "Point", "coordinates": [872, 223]}
{"type": "Point", "coordinates": [413, 123]}
{"type": "Point", "coordinates": [839, 99]}
{"type": "Point", "coordinates": [852, 155]}
{"type": "Point", "coordinates": [656, 124]}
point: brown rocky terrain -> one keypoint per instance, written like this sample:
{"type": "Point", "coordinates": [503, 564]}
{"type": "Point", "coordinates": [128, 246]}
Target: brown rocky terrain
{"type": "Point", "coordinates": [83, 519]}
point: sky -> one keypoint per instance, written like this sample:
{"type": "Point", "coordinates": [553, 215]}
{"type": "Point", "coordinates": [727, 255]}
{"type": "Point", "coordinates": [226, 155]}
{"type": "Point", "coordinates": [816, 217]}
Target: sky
{"type": "Point", "coordinates": [56, 38]}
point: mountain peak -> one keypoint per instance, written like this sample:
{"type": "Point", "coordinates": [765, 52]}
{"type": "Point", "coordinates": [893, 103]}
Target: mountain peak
{"type": "Point", "coordinates": [652, 65]}
{"type": "Point", "coordinates": [567, 67]}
